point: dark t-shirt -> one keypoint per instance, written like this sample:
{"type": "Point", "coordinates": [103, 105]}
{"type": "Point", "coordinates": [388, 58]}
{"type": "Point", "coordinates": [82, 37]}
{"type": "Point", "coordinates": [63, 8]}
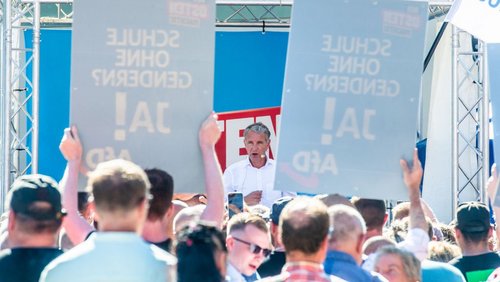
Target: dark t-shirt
{"type": "Point", "coordinates": [164, 245]}
{"type": "Point", "coordinates": [273, 265]}
{"type": "Point", "coordinates": [476, 268]}
{"type": "Point", "coordinates": [25, 264]}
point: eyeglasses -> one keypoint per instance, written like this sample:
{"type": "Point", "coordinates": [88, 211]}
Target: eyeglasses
{"type": "Point", "coordinates": [254, 249]}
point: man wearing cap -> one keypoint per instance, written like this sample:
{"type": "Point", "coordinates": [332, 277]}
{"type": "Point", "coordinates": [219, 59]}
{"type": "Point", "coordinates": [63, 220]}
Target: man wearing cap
{"type": "Point", "coordinates": [272, 266]}
{"type": "Point", "coordinates": [472, 231]}
{"type": "Point", "coordinates": [254, 176]}
{"type": "Point", "coordinates": [35, 218]}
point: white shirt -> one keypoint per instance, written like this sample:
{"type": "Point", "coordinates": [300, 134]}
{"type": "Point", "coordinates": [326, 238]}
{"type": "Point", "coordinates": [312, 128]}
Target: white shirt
{"type": "Point", "coordinates": [416, 242]}
{"type": "Point", "coordinates": [243, 177]}
{"type": "Point", "coordinates": [112, 256]}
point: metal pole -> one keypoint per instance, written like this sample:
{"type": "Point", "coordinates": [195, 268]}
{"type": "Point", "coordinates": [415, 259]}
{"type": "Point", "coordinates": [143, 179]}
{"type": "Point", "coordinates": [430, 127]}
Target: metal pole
{"type": "Point", "coordinates": [434, 45]}
{"type": "Point", "coordinates": [454, 119]}
{"type": "Point", "coordinates": [486, 121]}
{"type": "Point", "coordinates": [36, 83]}
{"type": "Point", "coordinates": [7, 92]}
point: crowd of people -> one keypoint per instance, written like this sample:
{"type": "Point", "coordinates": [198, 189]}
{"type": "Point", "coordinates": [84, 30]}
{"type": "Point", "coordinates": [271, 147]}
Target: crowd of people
{"type": "Point", "coordinates": [130, 226]}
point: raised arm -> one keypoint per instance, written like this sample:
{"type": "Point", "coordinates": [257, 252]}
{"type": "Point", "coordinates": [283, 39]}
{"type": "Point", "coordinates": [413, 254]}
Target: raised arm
{"type": "Point", "coordinates": [75, 225]}
{"type": "Point", "coordinates": [214, 186]}
{"type": "Point", "coordinates": [412, 178]}
{"type": "Point", "coordinates": [492, 187]}
{"type": "Point", "coordinates": [417, 238]}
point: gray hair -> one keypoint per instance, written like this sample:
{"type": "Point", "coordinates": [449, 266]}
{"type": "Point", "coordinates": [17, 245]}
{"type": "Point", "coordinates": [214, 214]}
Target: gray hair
{"type": "Point", "coordinates": [411, 265]}
{"type": "Point", "coordinates": [345, 221]}
{"type": "Point", "coordinates": [259, 128]}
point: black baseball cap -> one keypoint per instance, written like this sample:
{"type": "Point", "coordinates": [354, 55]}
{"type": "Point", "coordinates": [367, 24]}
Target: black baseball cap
{"type": "Point", "coordinates": [278, 207]}
{"type": "Point", "coordinates": [473, 217]}
{"type": "Point", "coordinates": [35, 188]}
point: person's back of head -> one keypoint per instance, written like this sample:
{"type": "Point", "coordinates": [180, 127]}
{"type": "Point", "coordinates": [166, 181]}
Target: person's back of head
{"type": "Point", "coordinates": [443, 251]}
{"type": "Point", "coordinates": [334, 199]}
{"type": "Point", "coordinates": [119, 188]}
{"type": "Point", "coordinates": [401, 211]}
{"type": "Point", "coordinates": [374, 214]}
{"type": "Point", "coordinates": [448, 232]}
{"type": "Point", "coordinates": [473, 226]}
{"type": "Point", "coordinates": [304, 226]}
{"type": "Point", "coordinates": [201, 254]}
{"type": "Point", "coordinates": [348, 232]}
{"type": "Point", "coordinates": [187, 216]}
{"type": "Point", "coordinates": [399, 229]}
{"type": "Point", "coordinates": [276, 211]}
{"type": "Point", "coordinates": [35, 210]}
{"type": "Point", "coordinates": [373, 244]}
{"type": "Point", "coordinates": [162, 191]}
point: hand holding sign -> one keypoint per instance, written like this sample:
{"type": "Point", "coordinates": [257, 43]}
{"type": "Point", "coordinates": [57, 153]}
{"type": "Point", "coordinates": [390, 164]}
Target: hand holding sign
{"type": "Point", "coordinates": [70, 146]}
{"type": "Point", "coordinates": [412, 176]}
{"type": "Point", "coordinates": [210, 132]}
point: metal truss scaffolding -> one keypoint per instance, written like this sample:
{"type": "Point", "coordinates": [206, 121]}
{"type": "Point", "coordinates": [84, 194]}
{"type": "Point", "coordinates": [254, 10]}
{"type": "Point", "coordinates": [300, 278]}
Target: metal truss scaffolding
{"type": "Point", "coordinates": [20, 79]}
{"type": "Point", "coordinates": [19, 90]}
{"type": "Point", "coordinates": [470, 119]}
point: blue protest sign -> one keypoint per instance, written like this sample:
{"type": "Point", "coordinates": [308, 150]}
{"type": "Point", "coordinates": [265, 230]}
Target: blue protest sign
{"type": "Point", "coordinates": [351, 93]}
{"type": "Point", "coordinates": [142, 82]}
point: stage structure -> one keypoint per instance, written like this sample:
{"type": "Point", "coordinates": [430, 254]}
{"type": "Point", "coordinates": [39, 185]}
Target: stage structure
{"type": "Point", "coordinates": [20, 95]}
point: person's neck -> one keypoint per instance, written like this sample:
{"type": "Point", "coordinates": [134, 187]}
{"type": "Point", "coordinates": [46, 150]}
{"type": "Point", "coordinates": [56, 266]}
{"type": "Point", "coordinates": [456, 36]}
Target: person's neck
{"type": "Point", "coordinates": [155, 231]}
{"type": "Point", "coordinates": [347, 249]}
{"type": "Point", "coordinates": [296, 256]}
{"type": "Point", "coordinates": [258, 163]}
{"type": "Point", "coordinates": [475, 249]}
{"type": "Point", "coordinates": [373, 232]}
{"type": "Point", "coordinates": [32, 241]}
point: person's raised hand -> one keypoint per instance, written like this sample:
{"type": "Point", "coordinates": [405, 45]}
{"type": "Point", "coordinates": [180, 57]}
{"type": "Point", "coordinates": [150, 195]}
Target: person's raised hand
{"type": "Point", "coordinates": [412, 176]}
{"type": "Point", "coordinates": [209, 132]}
{"type": "Point", "coordinates": [70, 146]}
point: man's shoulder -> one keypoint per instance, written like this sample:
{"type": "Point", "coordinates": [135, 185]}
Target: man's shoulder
{"type": "Point", "coordinates": [5, 254]}
{"type": "Point", "coordinates": [42, 254]}
{"type": "Point", "coordinates": [482, 258]}
{"type": "Point", "coordinates": [441, 271]}
{"type": "Point", "coordinates": [237, 165]}
{"type": "Point", "coordinates": [162, 255]}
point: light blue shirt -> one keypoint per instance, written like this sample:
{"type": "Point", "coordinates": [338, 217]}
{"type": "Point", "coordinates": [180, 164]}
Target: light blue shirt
{"type": "Point", "coordinates": [112, 256]}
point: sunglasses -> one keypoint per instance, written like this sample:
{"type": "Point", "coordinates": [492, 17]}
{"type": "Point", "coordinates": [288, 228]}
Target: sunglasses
{"type": "Point", "coordinates": [254, 249]}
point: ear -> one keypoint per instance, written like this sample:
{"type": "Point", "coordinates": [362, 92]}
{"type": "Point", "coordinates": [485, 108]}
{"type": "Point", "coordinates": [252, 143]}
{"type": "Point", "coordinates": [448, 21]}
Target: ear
{"type": "Point", "coordinates": [143, 207]}
{"type": "Point", "coordinates": [229, 243]}
{"type": "Point", "coordinates": [458, 233]}
{"type": "Point", "coordinates": [359, 244]}
{"type": "Point", "coordinates": [93, 210]}
{"type": "Point", "coordinates": [169, 213]}
{"type": "Point", "coordinates": [12, 221]}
